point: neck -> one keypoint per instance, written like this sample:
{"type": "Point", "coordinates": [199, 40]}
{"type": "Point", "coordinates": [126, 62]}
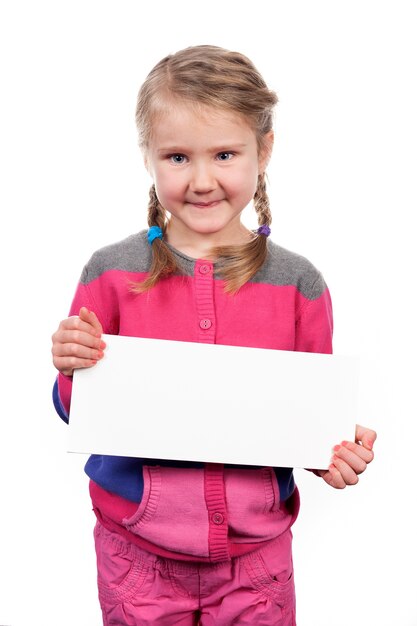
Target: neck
{"type": "Point", "coordinates": [200, 245]}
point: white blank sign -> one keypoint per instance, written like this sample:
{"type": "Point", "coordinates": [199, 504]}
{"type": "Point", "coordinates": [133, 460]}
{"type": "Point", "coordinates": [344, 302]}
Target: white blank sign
{"type": "Point", "coordinates": [160, 399]}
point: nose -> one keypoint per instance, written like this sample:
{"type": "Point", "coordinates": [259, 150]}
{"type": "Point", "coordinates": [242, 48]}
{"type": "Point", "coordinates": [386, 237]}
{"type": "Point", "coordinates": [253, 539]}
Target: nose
{"type": "Point", "coordinates": [202, 179]}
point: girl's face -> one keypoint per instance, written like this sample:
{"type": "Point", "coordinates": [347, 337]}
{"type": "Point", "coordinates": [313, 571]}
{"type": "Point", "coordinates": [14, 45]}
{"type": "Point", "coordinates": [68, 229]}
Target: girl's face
{"type": "Point", "coordinates": [205, 169]}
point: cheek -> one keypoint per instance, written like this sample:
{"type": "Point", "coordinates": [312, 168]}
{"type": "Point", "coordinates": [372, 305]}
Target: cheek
{"type": "Point", "coordinates": [245, 180]}
{"type": "Point", "coordinates": [167, 183]}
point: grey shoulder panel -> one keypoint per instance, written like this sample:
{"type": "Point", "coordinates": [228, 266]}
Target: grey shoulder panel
{"type": "Point", "coordinates": [283, 267]}
{"type": "Point", "coordinates": [132, 254]}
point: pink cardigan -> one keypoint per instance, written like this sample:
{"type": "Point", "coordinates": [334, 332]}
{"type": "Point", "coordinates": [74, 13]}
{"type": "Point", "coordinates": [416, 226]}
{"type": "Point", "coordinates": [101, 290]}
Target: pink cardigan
{"type": "Point", "coordinates": [219, 511]}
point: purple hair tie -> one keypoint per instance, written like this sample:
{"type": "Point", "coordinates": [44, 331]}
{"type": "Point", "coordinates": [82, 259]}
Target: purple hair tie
{"type": "Point", "coordinates": [264, 230]}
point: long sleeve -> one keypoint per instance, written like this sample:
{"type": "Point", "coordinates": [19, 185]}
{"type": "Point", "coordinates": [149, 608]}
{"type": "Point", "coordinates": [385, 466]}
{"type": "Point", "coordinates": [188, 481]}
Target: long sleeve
{"type": "Point", "coordinates": [92, 297]}
{"type": "Point", "coordinates": [314, 324]}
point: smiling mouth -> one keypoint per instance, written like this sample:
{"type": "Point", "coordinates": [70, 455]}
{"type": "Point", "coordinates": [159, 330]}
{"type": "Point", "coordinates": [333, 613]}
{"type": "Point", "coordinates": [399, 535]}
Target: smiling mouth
{"type": "Point", "coordinates": [205, 205]}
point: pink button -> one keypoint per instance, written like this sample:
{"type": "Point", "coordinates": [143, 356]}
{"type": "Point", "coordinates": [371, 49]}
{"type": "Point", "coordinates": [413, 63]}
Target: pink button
{"type": "Point", "coordinates": [217, 518]}
{"type": "Point", "coordinates": [205, 324]}
{"type": "Point", "coordinates": [205, 269]}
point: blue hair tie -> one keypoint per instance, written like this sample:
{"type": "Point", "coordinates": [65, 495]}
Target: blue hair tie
{"type": "Point", "coordinates": [264, 230]}
{"type": "Point", "coordinates": [154, 233]}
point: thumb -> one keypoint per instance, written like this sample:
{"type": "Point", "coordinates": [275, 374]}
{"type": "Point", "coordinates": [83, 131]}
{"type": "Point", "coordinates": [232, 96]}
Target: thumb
{"type": "Point", "coordinates": [91, 318]}
{"type": "Point", "coordinates": [366, 436]}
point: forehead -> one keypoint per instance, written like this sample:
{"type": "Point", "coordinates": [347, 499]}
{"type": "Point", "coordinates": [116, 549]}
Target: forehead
{"type": "Point", "coordinates": [199, 124]}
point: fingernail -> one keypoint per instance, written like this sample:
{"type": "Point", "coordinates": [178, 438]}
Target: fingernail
{"type": "Point", "coordinates": [102, 345]}
{"type": "Point", "coordinates": [336, 448]}
{"type": "Point", "coordinates": [345, 443]}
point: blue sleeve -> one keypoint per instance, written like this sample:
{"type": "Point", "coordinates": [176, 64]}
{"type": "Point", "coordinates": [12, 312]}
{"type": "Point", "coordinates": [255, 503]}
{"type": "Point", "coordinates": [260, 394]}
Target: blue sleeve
{"type": "Point", "coordinates": [58, 404]}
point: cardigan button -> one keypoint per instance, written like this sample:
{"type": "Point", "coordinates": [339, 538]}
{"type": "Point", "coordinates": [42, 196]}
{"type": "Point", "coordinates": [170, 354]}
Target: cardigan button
{"type": "Point", "coordinates": [204, 269]}
{"type": "Point", "coordinates": [205, 324]}
{"type": "Point", "coordinates": [217, 518]}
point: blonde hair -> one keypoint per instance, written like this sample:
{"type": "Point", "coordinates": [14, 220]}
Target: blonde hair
{"type": "Point", "coordinates": [208, 76]}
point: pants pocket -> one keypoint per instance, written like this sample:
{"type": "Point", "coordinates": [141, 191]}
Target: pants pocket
{"type": "Point", "coordinates": [121, 572]}
{"type": "Point", "coordinates": [270, 571]}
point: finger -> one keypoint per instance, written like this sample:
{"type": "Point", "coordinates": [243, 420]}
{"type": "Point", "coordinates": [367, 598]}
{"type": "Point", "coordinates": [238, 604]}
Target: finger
{"type": "Point", "coordinates": [77, 350]}
{"type": "Point", "coordinates": [80, 337]}
{"type": "Point", "coordinates": [364, 453]}
{"type": "Point", "coordinates": [316, 471]}
{"type": "Point", "coordinates": [334, 478]}
{"type": "Point", "coordinates": [67, 365]}
{"type": "Point", "coordinates": [347, 473]}
{"type": "Point", "coordinates": [91, 318]}
{"type": "Point", "coordinates": [76, 323]}
{"type": "Point", "coordinates": [366, 436]}
{"type": "Point", "coordinates": [355, 455]}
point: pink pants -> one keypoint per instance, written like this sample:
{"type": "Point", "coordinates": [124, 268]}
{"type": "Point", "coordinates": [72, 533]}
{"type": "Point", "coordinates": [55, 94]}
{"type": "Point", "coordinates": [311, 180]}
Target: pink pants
{"type": "Point", "coordinates": [137, 588]}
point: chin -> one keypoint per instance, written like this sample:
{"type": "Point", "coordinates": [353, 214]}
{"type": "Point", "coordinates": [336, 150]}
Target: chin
{"type": "Point", "coordinates": [208, 230]}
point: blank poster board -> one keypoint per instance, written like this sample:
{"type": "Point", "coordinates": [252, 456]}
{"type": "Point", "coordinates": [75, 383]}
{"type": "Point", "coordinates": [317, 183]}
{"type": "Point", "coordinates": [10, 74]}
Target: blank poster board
{"type": "Point", "coordinates": [152, 398]}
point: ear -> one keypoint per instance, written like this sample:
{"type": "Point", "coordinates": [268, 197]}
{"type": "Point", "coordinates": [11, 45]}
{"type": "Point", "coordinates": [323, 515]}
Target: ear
{"type": "Point", "coordinates": [266, 151]}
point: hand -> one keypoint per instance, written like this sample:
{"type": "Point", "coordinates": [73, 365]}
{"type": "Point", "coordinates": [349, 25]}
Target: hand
{"type": "Point", "coordinates": [350, 459]}
{"type": "Point", "coordinates": [77, 343]}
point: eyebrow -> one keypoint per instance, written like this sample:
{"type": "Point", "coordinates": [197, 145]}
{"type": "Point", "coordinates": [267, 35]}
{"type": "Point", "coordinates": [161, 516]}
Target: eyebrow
{"type": "Point", "coordinates": [223, 147]}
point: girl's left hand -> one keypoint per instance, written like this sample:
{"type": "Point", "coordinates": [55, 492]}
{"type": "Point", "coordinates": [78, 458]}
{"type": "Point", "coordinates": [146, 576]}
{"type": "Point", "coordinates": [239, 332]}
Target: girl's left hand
{"type": "Point", "coordinates": [350, 459]}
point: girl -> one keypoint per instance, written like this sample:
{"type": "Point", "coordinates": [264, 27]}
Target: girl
{"type": "Point", "coordinates": [193, 543]}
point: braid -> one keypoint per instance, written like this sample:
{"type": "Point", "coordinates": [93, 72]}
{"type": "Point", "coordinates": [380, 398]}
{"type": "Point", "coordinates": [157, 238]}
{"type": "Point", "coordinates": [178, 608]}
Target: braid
{"type": "Point", "coordinates": [238, 264]}
{"type": "Point", "coordinates": [261, 202]}
{"type": "Point", "coordinates": [163, 261]}
{"type": "Point", "coordinates": [156, 213]}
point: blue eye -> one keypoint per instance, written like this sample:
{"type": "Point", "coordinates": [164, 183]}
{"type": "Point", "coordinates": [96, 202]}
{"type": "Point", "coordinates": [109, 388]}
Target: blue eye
{"type": "Point", "coordinates": [225, 156]}
{"type": "Point", "coordinates": [177, 159]}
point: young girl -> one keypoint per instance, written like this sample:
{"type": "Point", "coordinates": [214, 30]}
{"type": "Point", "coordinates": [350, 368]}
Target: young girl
{"type": "Point", "coordinates": [180, 542]}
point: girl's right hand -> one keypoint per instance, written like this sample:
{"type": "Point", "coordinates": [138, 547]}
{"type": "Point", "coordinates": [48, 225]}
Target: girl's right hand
{"type": "Point", "coordinates": [77, 343]}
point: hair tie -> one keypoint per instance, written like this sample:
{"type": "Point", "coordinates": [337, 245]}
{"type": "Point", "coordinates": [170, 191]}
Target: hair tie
{"type": "Point", "coordinates": [154, 233]}
{"type": "Point", "coordinates": [264, 230]}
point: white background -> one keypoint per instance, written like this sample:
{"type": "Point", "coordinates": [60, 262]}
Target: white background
{"type": "Point", "coordinates": [343, 191]}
